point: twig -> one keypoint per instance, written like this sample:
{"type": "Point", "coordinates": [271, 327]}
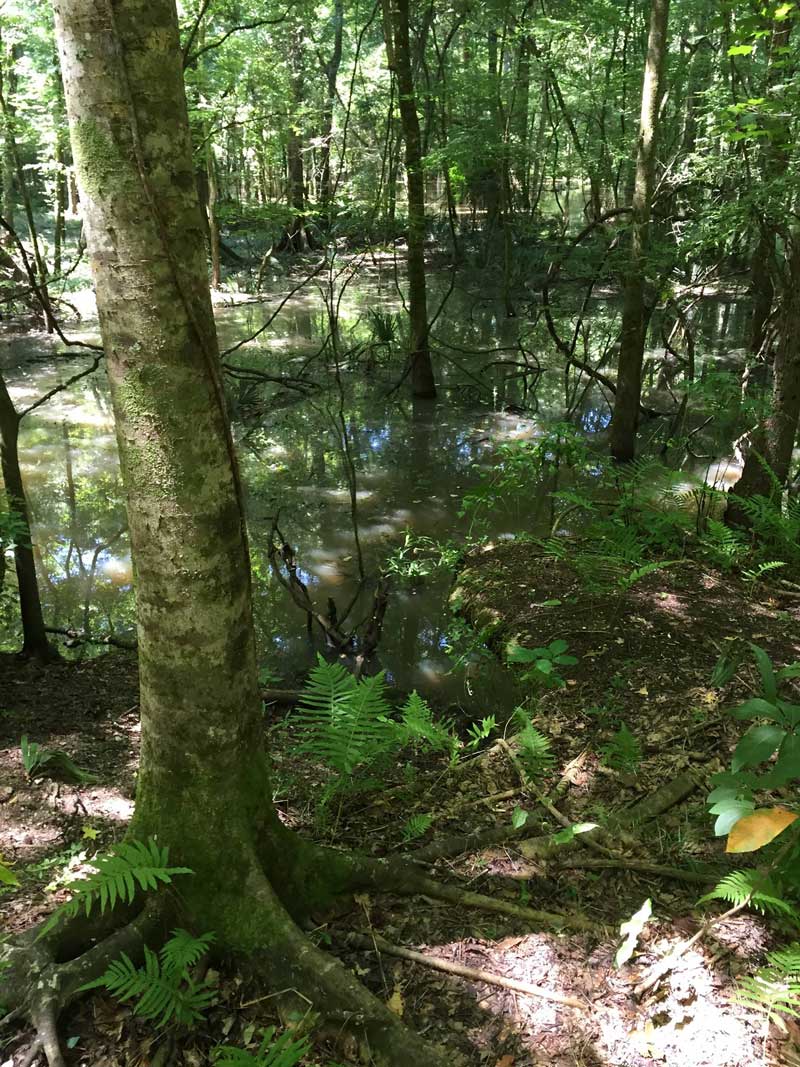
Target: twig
{"type": "Point", "coordinates": [473, 973]}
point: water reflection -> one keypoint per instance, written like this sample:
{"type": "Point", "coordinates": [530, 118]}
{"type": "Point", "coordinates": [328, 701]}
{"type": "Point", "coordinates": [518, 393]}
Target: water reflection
{"type": "Point", "coordinates": [413, 464]}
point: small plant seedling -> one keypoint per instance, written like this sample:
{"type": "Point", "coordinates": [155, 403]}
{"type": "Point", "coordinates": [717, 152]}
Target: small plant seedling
{"type": "Point", "coordinates": [545, 661]}
{"type": "Point", "coordinates": [479, 731]}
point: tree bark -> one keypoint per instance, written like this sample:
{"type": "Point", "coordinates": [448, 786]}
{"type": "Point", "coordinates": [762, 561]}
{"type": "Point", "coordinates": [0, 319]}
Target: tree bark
{"type": "Point", "coordinates": [769, 458]}
{"type": "Point", "coordinates": [331, 71]}
{"type": "Point", "coordinates": [35, 643]}
{"type": "Point", "coordinates": [203, 786]}
{"type": "Point", "coordinates": [398, 51]}
{"type": "Point", "coordinates": [634, 317]}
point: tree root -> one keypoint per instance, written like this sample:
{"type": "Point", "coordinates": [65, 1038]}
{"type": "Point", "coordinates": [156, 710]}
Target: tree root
{"type": "Point", "coordinates": [677, 874]}
{"type": "Point", "coordinates": [474, 974]}
{"type": "Point", "coordinates": [37, 987]}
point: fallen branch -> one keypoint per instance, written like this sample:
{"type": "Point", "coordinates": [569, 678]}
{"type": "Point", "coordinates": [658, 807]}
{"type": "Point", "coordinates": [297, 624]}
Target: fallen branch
{"type": "Point", "coordinates": [472, 973]}
{"type": "Point", "coordinates": [678, 874]}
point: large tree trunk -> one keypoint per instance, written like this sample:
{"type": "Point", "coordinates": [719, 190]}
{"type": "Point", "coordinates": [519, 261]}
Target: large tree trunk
{"type": "Point", "coordinates": [203, 785]}
{"type": "Point", "coordinates": [35, 642]}
{"type": "Point", "coordinates": [398, 50]}
{"type": "Point", "coordinates": [634, 317]}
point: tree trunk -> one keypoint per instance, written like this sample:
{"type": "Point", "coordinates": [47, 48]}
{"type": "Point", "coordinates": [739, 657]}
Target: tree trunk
{"type": "Point", "coordinates": [331, 70]}
{"type": "Point", "coordinates": [203, 785]}
{"type": "Point", "coordinates": [769, 457]}
{"type": "Point", "coordinates": [7, 91]}
{"type": "Point", "coordinates": [35, 642]}
{"type": "Point", "coordinates": [634, 317]}
{"type": "Point", "coordinates": [398, 51]}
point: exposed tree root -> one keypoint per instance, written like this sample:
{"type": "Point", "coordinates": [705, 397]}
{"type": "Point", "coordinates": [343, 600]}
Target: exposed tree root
{"type": "Point", "coordinates": [473, 973]}
{"type": "Point", "coordinates": [37, 987]}
{"type": "Point", "coordinates": [677, 874]}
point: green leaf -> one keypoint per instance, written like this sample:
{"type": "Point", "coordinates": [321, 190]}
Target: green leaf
{"type": "Point", "coordinates": [569, 833]}
{"type": "Point", "coordinates": [518, 654]}
{"type": "Point", "coordinates": [545, 666]}
{"type": "Point", "coordinates": [768, 679]}
{"type": "Point", "coordinates": [756, 745]}
{"type": "Point", "coordinates": [729, 814]}
{"type": "Point", "coordinates": [519, 817]}
{"type": "Point", "coordinates": [789, 757]}
{"type": "Point", "coordinates": [558, 646]}
{"type": "Point", "coordinates": [741, 50]}
{"type": "Point", "coordinates": [757, 708]}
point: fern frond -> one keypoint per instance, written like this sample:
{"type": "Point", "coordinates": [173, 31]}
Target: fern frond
{"type": "Point", "coordinates": [115, 877]}
{"type": "Point", "coordinates": [752, 888]}
{"type": "Point", "coordinates": [162, 988]}
{"type": "Point", "coordinates": [183, 951]}
{"type": "Point", "coordinates": [416, 724]}
{"type": "Point", "coordinates": [416, 826]}
{"type": "Point", "coordinates": [775, 988]}
{"type": "Point", "coordinates": [283, 1051]}
{"type": "Point", "coordinates": [344, 722]}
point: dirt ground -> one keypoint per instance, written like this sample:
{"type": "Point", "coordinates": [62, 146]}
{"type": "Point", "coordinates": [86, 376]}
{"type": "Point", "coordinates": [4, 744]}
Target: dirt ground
{"type": "Point", "coordinates": [645, 658]}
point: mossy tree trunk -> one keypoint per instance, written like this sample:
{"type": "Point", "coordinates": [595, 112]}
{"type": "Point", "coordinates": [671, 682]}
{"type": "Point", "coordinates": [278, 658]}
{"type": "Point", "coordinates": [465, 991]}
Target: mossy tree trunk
{"type": "Point", "coordinates": [398, 51]}
{"type": "Point", "coordinates": [634, 308]}
{"type": "Point", "coordinates": [203, 785]}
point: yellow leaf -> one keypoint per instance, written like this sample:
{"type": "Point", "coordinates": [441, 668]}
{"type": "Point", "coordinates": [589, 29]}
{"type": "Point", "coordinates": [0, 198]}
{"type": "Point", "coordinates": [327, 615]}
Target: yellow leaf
{"type": "Point", "coordinates": [756, 830]}
{"type": "Point", "coordinates": [395, 1002]}
{"type": "Point", "coordinates": [644, 691]}
{"type": "Point", "coordinates": [90, 832]}
{"type": "Point", "coordinates": [505, 1061]}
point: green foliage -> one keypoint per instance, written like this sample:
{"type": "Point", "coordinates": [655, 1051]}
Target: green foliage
{"type": "Point", "coordinates": [753, 888]}
{"type": "Point", "coordinates": [535, 750]}
{"type": "Point", "coordinates": [623, 752]}
{"type": "Point", "coordinates": [347, 724]}
{"type": "Point", "coordinates": [420, 557]}
{"type": "Point", "coordinates": [480, 731]}
{"type": "Point", "coordinates": [734, 790]}
{"type": "Point", "coordinates": [163, 987]}
{"type": "Point", "coordinates": [7, 876]}
{"type": "Point", "coordinates": [775, 988]}
{"type": "Point", "coordinates": [282, 1051]}
{"type": "Point", "coordinates": [545, 662]}
{"type": "Point", "coordinates": [417, 826]}
{"type": "Point", "coordinates": [115, 877]}
{"type": "Point", "coordinates": [42, 762]}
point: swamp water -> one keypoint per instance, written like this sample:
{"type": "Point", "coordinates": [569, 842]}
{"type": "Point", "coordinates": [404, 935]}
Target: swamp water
{"type": "Point", "coordinates": [413, 463]}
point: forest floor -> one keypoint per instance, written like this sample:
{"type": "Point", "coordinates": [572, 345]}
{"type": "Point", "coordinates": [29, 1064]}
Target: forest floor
{"type": "Point", "coordinates": [645, 658]}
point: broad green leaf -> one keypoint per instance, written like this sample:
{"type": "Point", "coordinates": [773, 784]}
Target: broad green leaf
{"type": "Point", "coordinates": [729, 814]}
{"type": "Point", "coordinates": [741, 50]}
{"type": "Point", "coordinates": [544, 665]}
{"type": "Point", "coordinates": [518, 654]}
{"type": "Point", "coordinates": [790, 713]}
{"type": "Point", "coordinates": [757, 708]}
{"type": "Point", "coordinates": [756, 745]}
{"type": "Point", "coordinates": [756, 830]}
{"type": "Point", "coordinates": [557, 647]}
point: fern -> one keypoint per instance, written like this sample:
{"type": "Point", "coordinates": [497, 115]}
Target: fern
{"type": "Point", "coordinates": [115, 877]}
{"type": "Point", "coordinates": [344, 722]}
{"type": "Point", "coordinates": [623, 752]}
{"type": "Point", "coordinates": [535, 749]}
{"type": "Point", "coordinates": [756, 573]}
{"type": "Point", "coordinates": [416, 826]}
{"type": "Point", "coordinates": [163, 988]}
{"type": "Point", "coordinates": [774, 989]}
{"type": "Point", "coordinates": [283, 1051]}
{"type": "Point", "coordinates": [754, 889]}
{"type": "Point", "coordinates": [417, 725]}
